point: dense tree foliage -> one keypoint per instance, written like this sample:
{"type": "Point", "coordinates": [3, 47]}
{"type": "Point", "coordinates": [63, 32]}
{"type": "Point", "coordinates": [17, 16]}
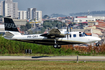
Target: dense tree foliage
{"type": "Point", "coordinates": [16, 47]}
{"type": "Point", "coordinates": [55, 23]}
{"type": "Point", "coordinates": [26, 27]}
{"type": "Point", "coordinates": [46, 17]}
{"type": "Point", "coordinates": [42, 29]}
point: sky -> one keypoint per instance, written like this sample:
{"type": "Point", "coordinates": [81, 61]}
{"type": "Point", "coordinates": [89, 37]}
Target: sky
{"type": "Point", "coordinates": [65, 7]}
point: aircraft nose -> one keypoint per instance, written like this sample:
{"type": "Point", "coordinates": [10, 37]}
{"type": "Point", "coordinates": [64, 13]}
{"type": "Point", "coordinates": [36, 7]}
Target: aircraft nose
{"type": "Point", "coordinates": [98, 39]}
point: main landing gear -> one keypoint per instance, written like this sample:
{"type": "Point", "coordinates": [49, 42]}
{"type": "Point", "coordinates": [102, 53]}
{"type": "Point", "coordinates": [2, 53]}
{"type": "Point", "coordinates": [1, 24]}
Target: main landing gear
{"type": "Point", "coordinates": [56, 45]}
{"type": "Point", "coordinates": [97, 44]}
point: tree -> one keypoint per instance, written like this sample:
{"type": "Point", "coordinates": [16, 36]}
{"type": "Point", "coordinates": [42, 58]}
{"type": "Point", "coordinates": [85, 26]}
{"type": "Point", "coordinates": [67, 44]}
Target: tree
{"type": "Point", "coordinates": [28, 25]}
{"type": "Point", "coordinates": [46, 17]}
{"type": "Point", "coordinates": [42, 29]}
{"type": "Point", "coordinates": [47, 24]}
{"type": "Point", "coordinates": [55, 23]}
{"type": "Point", "coordinates": [23, 28]}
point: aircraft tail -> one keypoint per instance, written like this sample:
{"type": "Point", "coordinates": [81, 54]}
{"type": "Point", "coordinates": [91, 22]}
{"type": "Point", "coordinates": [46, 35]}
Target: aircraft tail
{"type": "Point", "coordinates": [10, 27]}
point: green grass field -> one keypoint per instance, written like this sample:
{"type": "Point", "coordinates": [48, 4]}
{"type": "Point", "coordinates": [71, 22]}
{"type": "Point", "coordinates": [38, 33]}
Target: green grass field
{"type": "Point", "coordinates": [51, 65]}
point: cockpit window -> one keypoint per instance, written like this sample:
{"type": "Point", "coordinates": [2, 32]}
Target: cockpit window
{"type": "Point", "coordinates": [82, 34]}
{"type": "Point", "coordinates": [74, 35]}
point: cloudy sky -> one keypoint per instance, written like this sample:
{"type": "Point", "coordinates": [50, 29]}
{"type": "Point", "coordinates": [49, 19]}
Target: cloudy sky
{"type": "Point", "coordinates": [62, 6]}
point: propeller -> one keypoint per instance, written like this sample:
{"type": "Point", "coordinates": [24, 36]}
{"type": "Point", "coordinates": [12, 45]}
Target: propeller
{"type": "Point", "coordinates": [67, 32]}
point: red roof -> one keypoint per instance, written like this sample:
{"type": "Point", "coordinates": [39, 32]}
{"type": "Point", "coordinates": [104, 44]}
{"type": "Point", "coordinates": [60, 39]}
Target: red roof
{"type": "Point", "coordinates": [81, 16]}
{"type": "Point", "coordinates": [84, 22]}
{"type": "Point", "coordinates": [88, 34]}
{"type": "Point", "coordinates": [101, 23]}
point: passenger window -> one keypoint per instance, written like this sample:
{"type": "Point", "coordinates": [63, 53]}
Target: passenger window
{"type": "Point", "coordinates": [80, 35]}
{"type": "Point", "coordinates": [74, 35]}
{"type": "Point", "coordinates": [70, 35]}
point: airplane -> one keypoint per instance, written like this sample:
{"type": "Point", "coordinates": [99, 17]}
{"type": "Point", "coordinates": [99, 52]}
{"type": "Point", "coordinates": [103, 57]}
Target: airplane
{"type": "Point", "coordinates": [54, 37]}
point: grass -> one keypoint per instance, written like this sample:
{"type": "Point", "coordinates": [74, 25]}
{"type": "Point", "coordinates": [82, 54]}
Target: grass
{"type": "Point", "coordinates": [51, 65]}
{"type": "Point", "coordinates": [22, 54]}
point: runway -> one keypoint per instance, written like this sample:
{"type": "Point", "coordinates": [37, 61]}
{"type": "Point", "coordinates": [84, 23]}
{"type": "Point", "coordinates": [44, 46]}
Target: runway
{"type": "Point", "coordinates": [55, 58]}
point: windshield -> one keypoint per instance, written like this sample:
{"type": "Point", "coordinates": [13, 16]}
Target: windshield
{"type": "Point", "coordinates": [82, 34]}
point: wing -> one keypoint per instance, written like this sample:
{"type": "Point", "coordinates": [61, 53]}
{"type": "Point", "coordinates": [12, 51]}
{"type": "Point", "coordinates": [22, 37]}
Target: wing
{"type": "Point", "coordinates": [53, 33]}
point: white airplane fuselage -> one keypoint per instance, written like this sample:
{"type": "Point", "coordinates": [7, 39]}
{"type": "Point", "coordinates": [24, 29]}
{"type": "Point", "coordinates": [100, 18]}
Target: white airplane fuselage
{"type": "Point", "coordinates": [53, 37]}
{"type": "Point", "coordinates": [36, 38]}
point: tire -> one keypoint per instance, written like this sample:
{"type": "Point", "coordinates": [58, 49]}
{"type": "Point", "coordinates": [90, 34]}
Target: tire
{"type": "Point", "coordinates": [57, 46]}
{"type": "Point", "coordinates": [97, 44]}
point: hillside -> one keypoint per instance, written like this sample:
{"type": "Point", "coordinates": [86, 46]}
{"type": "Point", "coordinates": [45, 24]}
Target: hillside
{"type": "Point", "coordinates": [99, 13]}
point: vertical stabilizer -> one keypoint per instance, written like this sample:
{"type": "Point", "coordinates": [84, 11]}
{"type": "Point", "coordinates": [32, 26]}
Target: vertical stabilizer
{"type": "Point", "coordinates": [10, 25]}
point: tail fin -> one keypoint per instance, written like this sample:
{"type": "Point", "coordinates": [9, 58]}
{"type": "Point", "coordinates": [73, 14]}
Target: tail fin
{"type": "Point", "coordinates": [10, 28]}
{"type": "Point", "coordinates": [10, 25]}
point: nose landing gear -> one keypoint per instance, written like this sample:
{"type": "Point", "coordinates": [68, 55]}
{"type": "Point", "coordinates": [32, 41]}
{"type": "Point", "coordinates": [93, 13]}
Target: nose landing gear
{"type": "Point", "coordinates": [56, 45]}
{"type": "Point", "coordinates": [97, 44]}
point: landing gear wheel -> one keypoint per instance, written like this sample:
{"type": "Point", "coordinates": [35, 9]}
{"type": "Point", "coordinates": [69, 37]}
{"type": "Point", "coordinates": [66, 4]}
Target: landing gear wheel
{"type": "Point", "coordinates": [97, 44]}
{"type": "Point", "coordinates": [57, 46]}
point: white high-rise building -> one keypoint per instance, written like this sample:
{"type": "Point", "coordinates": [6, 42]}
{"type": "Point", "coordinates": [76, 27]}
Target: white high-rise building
{"type": "Point", "coordinates": [9, 8]}
{"type": "Point", "coordinates": [22, 14]}
{"type": "Point", "coordinates": [39, 16]}
{"type": "Point", "coordinates": [31, 13]}
{"type": "Point", "coordinates": [1, 8]}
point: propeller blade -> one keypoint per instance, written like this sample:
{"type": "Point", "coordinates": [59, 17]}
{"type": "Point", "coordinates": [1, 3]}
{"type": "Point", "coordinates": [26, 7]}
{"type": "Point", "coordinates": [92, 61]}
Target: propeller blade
{"type": "Point", "coordinates": [67, 32]}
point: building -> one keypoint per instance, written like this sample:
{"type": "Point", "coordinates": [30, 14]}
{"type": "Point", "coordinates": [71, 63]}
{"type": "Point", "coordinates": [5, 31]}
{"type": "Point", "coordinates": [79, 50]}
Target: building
{"type": "Point", "coordinates": [99, 17]}
{"type": "Point", "coordinates": [22, 14]}
{"type": "Point", "coordinates": [20, 22]}
{"type": "Point", "coordinates": [84, 19]}
{"type": "Point", "coordinates": [31, 13]}
{"type": "Point", "coordinates": [1, 8]}
{"type": "Point", "coordinates": [93, 30]}
{"type": "Point", "coordinates": [39, 16]}
{"type": "Point", "coordinates": [9, 8]}
{"type": "Point", "coordinates": [2, 29]}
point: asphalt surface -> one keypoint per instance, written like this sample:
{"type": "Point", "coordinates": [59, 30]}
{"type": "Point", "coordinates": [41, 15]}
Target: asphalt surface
{"type": "Point", "coordinates": [55, 58]}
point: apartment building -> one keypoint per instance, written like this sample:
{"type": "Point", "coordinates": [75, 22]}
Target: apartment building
{"type": "Point", "coordinates": [31, 13]}
{"type": "Point", "coordinates": [9, 8]}
{"type": "Point", "coordinates": [22, 14]}
{"type": "Point", "coordinates": [39, 16]}
{"type": "Point", "coordinates": [84, 19]}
